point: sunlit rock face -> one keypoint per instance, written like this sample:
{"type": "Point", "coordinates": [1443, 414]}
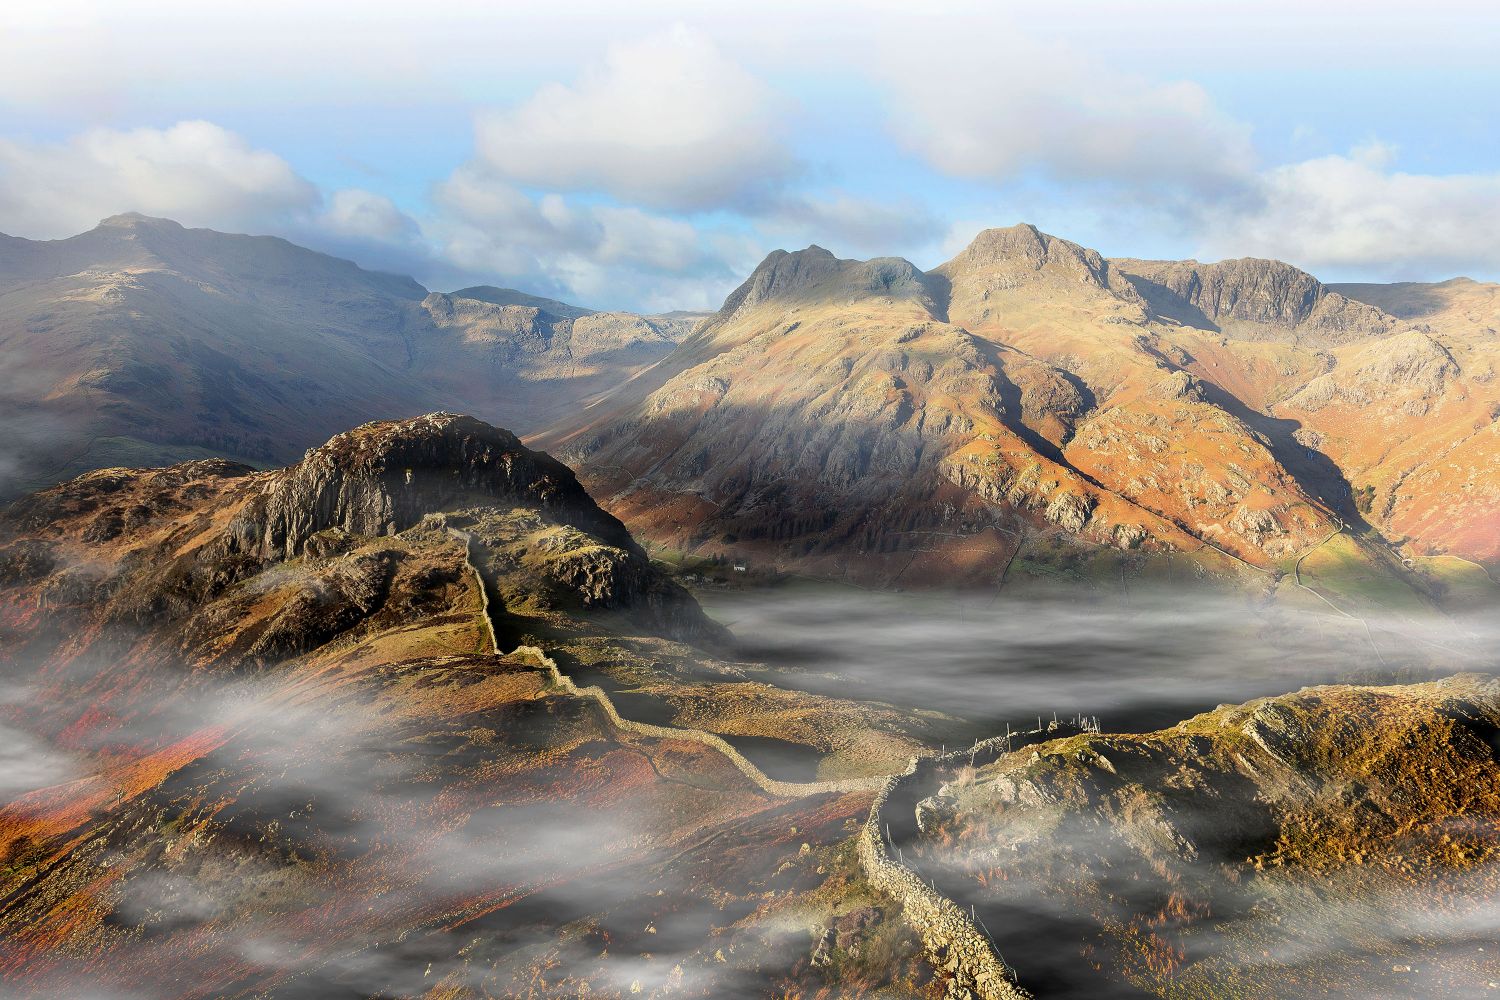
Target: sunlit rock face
{"type": "Point", "coordinates": [382, 478]}
{"type": "Point", "coordinates": [1031, 402]}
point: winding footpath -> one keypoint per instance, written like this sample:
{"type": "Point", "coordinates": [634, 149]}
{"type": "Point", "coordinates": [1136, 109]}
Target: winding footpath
{"type": "Point", "coordinates": [953, 938]}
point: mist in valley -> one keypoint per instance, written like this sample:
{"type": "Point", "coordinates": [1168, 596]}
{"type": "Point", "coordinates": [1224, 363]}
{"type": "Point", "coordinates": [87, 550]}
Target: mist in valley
{"type": "Point", "coordinates": [408, 824]}
{"type": "Point", "coordinates": [344, 784]}
{"type": "Point", "coordinates": [1145, 664]}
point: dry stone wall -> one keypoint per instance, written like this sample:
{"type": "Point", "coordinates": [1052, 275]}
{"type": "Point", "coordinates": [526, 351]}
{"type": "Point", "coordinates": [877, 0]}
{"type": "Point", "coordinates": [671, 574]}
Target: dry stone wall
{"type": "Point", "coordinates": [560, 680]}
{"type": "Point", "coordinates": [953, 937]}
{"type": "Point", "coordinates": [954, 940]}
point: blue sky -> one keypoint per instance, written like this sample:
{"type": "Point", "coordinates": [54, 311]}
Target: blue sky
{"type": "Point", "coordinates": [647, 155]}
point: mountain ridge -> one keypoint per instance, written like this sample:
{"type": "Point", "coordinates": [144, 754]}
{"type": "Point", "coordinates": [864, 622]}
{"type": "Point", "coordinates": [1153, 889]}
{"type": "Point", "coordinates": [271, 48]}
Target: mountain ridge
{"type": "Point", "coordinates": [141, 341]}
{"type": "Point", "coordinates": [1029, 387]}
{"type": "Point", "coordinates": [1130, 404]}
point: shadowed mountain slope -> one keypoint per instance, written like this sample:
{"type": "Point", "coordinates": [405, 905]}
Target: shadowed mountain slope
{"type": "Point", "coordinates": [141, 342]}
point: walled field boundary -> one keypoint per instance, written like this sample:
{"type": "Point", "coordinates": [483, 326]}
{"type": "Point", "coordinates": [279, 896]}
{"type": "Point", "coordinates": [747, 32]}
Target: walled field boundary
{"type": "Point", "coordinates": [953, 938]}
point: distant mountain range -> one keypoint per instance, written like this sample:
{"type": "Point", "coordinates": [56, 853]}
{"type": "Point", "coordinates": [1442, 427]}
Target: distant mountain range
{"type": "Point", "coordinates": [142, 343]}
{"type": "Point", "coordinates": [1028, 408]}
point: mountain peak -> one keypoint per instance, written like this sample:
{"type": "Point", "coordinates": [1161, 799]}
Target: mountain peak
{"type": "Point", "coordinates": [1013, 256]}
{"type": "Point", "coordinates": [136, 220]}
{"type": "Point", "coordinates": [1025, 243]}
{"type": "Point", "coordinates": [815, 273]}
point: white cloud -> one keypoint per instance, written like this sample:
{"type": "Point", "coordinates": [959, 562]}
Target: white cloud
{"type": "Point", "coordinates": [997, 105]}
{"type": "Point", "coordinates": [852, 226]}
{"type": "Point", "coordinates": [666, 122]}
{"type": "Point", "coordinates": [194, 172]}
{"type": "Point", "coordinates": [599, 255]}
{"type": "Point", "coordinates": [1354, 214]}
{"type": "Point", "coordinates": [353, 213]}
{"type": "Point", "coordinates": [1071, 138]}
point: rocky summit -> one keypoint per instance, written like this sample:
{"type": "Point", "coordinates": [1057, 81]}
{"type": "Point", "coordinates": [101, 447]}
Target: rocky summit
{"type": "Point", "coordinates": [1030, 406]}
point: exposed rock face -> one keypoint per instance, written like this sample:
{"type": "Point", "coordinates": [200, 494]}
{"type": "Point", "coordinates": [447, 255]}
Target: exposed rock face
{"type": "Point", "coordinates": [183, 538]}
{"type": "Point", "coordinates": [1412, 363]}
{"type": "Point", "coordinates": [1008, 258]}
{"type": "Point", "coordinates": [815, 274]}
{"type": "Point", "coordinates": [382, 478]}
{"type": "Point", "coordinates": [1250, 294]}
{"type": "Point", "coordinates": [1178, 385]}
{"type": "Point", "coordinates": [538, 340]}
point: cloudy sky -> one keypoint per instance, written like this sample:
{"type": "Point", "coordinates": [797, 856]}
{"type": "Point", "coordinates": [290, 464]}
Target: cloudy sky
{"type": "Point", "coordinates": [647, 155]}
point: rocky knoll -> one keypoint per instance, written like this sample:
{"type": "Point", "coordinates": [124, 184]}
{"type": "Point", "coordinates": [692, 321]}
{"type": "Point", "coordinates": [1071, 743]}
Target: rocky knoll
{"type": "Point", "coordinates": [1339, 841]}
{"type": "Point", "coordinates": [151, 547]}
{"type": "Point", "coordinates": [382, 478]}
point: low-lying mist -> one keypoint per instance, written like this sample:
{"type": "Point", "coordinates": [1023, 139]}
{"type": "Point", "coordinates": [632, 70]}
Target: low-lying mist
{"type": "Point", "coordinates": [324, 840]}
{"type": "Point", "coordinates": [1139, 665]}
{"type": "Point", "coordinates": [400, 821]}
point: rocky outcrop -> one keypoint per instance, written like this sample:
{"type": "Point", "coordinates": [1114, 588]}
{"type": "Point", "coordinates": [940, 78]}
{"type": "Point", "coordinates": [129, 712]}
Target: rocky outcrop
{"type": "Point", "coordinates": [536, 339]}
{"type": "Point", "coordinates": [1410, 368]}
{"type": "Point", "coordinates": [815, 273]}
{"type": "Point", "coordinates": [1013, 256]}
{"type": "Point", "coordinates": [1238, 295]}
{"type": "Point", "coordinates": [384, 477]}
{"type": "Point", "coordinates": [183, 538]}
